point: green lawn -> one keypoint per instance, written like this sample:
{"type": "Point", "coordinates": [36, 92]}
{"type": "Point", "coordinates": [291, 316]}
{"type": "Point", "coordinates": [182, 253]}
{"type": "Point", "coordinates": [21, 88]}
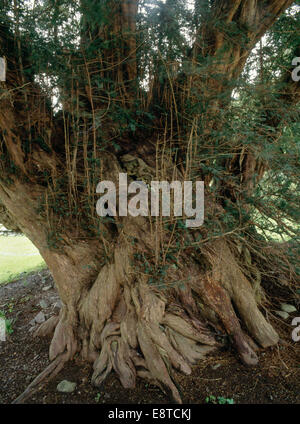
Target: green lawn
{"type": "Point", "coordinates": [17, 255]}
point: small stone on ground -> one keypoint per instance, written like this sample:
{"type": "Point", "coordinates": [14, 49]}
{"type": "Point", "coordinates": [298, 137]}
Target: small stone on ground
{"type": "Point", "coordinates": [44, 304]}
{"type": "Point", "coordinates": [66, 386]}
{"type": "Point", "coordinates": [40, 318]}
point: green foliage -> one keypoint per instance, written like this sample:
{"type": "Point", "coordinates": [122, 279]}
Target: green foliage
{"type": "Point", "coordinates": [65, 51]}
{"type": "Point", "coordinates": [219, 400]}
{"type": "Point", "coordinates": [8, 323]}
{"type": "Point", "coordinates": [98, 397]}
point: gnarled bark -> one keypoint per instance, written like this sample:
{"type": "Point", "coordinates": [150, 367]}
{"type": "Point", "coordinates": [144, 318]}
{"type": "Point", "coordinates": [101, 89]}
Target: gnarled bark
{"type": "Point", "coordinates": [111, 314]}
{"type": "Point", "coordinates": [112, 317]}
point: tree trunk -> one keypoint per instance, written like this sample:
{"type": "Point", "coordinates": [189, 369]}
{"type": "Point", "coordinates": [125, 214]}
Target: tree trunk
{"type": "Point", "coordinates": [114, 318]}
{"type": "Point", "coordinates": [137, 298]}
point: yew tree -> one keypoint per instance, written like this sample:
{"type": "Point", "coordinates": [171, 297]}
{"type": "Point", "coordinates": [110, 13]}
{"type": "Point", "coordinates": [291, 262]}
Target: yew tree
{"type": "Point", "coordinates": [160, 90]}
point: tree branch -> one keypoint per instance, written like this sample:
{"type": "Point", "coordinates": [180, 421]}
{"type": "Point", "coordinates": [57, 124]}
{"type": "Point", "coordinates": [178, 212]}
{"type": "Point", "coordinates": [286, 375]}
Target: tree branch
{"type": "Point", "coordinates": [231, 31]}
{"type": "Point", "coordinates": [115, 34]}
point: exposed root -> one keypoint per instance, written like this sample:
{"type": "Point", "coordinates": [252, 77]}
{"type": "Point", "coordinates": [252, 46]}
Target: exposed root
{"type": "Point", "coordinates": [123, 324]}
{"type": "Point", "coordinates": [187, 330]}
{"type": "Point", "coordinates": [115, 354]}
{"type": "Point", "coordinates": [47, 327]}
{"type": "Point", "coordinates": [46, 375]}
{"type": "Point", "coordinates": [140, 321]}
{"type": "Point", "coordinates": [226, 270]}
{"type": "Point", "coordinates": [63, 347]}
{"type": "Point", "coordinates": [63, 339]}
{"type": "Point", "coordinates": [188, 348]}
{"type": "Point", "coordinates": [219, 301]}
{"type": "Point", "coordinates": [155, 363]}
{"type": "Point", "coordinates": [105, 292]}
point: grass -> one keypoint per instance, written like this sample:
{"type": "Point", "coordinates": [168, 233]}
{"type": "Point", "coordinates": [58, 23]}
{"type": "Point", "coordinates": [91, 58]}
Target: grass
{"type": "Point", "coordinates": [18, 255]}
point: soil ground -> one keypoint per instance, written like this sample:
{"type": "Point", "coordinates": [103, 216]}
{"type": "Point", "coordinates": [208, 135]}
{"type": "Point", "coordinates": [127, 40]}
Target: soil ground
{"type": "Point", "coordinates": [276, 379]}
